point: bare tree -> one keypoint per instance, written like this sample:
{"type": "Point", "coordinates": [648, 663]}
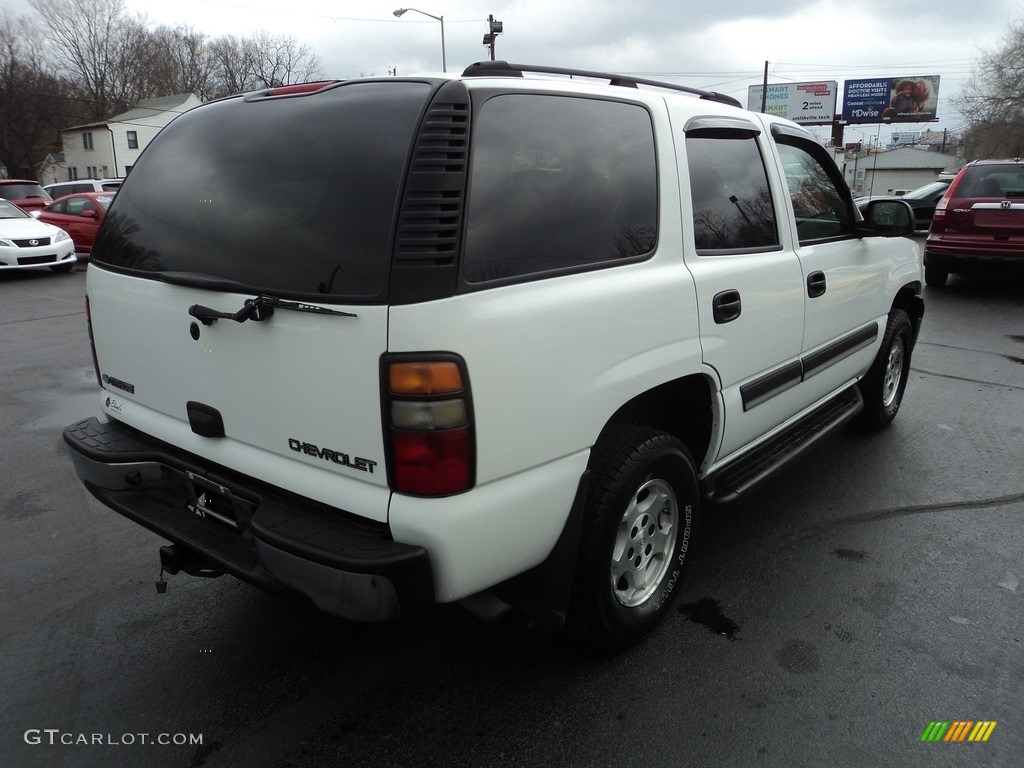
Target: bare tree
{"type": "Point", "coordinates": [102, 49]}
{"type": "Point", "coordinates": [280, 60]}
{"type": "Point", "coordinates": [33, 101]}
{"type": "Point", "coordinates": [261, 61]}
{"type": "Point", "coordinates": [233, 67]}
{"type": "Point", "coordinates": [992, 100]}
{"type": "Point", "coordinates": [180, 60]}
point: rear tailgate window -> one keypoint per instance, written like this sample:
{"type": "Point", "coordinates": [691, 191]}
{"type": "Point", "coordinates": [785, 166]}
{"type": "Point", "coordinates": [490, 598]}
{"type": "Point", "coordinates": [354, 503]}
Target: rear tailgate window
{"type": "Point", "coordinates": [293, 195]}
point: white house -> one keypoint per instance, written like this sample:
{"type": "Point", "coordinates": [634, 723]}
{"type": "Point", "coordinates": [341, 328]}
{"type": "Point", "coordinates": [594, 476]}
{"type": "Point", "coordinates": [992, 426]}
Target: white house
{"type": "Point", "coordinates": [52, 169]}
{"type": "Point", "coordinates": [894, 172]}
{"type": "Point", "coordinates": [109, 149]}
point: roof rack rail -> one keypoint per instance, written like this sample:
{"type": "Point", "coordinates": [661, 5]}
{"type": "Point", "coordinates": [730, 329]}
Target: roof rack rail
{"type": "Point", "coordinates": [504, 69]}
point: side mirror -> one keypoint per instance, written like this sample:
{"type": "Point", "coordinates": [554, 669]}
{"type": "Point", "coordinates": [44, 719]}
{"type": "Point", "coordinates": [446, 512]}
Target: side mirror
{"type": "Point", "coordinates": [889, 218]}
{"type": "Point", "coordinates": [88, 214]}
{"type": "Point", "coordinates": [34, 214]}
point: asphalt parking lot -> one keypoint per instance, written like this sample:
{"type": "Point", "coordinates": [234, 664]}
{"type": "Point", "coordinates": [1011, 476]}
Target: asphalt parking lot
{"type": "Point", "coordinates": [828, 619]}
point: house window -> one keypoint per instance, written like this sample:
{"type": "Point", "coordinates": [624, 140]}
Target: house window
{"type": "Point", "coordinates": [105, 173]}
{"type": "Point", "coordinates": [73, 174]}
{"type": "Point", "coordinates": [133, 140]}
{"type": "Point", "coordinates": [87, 140]}
{"type": "Point", "coordinates": [91, 172]}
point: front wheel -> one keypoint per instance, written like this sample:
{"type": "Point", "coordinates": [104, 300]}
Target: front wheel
{"type": "Point", "coordinates": [886, 381]}
{"type": "Point", "coordinates": [641, 514]}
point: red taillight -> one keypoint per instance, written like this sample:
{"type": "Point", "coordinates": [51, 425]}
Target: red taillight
{"type": "Point", "coordinates": [940, 207]}
{"type": "Point", "coordinates": [431, 463]}
{"type": "Point", "coordinates": [428, 418]}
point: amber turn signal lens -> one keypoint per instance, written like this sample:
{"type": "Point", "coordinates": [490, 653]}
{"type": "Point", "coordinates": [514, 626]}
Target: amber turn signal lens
{"type": "Point", "coordinates": [426, 378]}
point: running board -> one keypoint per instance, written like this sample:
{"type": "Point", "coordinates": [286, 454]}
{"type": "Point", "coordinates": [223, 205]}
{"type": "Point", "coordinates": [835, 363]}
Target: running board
{"type": "Point", "coordinates": [739, 476]}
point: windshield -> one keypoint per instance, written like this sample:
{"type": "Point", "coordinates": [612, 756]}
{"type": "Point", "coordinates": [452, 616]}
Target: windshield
{"type": "Point", "coordinates": [11, 211]}
{"type": "Point", "coordinates": [927, 191]}
{"type": "Point", "coordinates": [299, 202]}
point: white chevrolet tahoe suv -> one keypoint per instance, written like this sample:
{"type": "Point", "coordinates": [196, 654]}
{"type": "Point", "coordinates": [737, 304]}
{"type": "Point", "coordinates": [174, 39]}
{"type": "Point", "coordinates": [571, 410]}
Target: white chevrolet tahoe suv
{"type": "Point", "coordinates": [386, 343]}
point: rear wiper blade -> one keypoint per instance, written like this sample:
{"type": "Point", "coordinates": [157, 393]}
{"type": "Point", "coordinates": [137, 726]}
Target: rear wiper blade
{"type": "Point", "coordinates": [260, 308]}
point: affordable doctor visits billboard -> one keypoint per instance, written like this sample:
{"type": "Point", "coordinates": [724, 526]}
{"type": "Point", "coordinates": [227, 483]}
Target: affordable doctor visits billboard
{"type": "Point", "coordinates": [898, 99]}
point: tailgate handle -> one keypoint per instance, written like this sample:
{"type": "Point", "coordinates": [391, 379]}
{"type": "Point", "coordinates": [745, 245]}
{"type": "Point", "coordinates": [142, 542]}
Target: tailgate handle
{"type": "Point", "coordinates": [204, 420]}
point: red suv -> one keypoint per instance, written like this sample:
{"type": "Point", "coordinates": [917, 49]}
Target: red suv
{"type": "Point", "coordinates": [978, 223]}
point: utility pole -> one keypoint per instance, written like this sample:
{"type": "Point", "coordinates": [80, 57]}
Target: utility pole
{"type": "Point", "coordinates": [764, 90]}
{"type": "Point", "coordinates": [496, 28]}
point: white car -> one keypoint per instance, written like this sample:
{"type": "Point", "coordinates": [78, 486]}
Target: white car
{"type": "Point", "coordinates": [26, 243]}
{"type": "Point", "coordinates": [64, 188]}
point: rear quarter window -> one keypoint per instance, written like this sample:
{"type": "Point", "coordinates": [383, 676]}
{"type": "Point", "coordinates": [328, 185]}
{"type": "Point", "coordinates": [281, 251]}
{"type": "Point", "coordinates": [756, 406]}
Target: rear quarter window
{"type": "Point", "coordinates": [558, 183]}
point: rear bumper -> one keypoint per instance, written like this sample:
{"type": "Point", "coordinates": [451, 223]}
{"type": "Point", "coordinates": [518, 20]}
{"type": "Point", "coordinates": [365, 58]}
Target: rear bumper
{"type": "Point", "coordinates": [281, 542]}
{"type": "Point", "coordinates": [960, 260]}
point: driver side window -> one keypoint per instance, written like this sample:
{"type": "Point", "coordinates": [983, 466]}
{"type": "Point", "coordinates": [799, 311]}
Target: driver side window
{"type": "Point", "coordinates": [820, 208]}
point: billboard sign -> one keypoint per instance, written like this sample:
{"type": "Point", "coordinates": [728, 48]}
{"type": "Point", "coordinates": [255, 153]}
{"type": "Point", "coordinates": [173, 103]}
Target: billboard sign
{"type": "Point", "coordinates": [905, 139]}
{"type": "Point", "coordinates": [804, 103]}
{"type": "Point", "coordinates": [893, 99]}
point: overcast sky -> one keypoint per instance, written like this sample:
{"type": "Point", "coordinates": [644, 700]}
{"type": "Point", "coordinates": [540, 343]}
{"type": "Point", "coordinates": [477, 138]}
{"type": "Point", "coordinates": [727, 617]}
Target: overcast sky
{"type": "Point", "coordinates": [720, 45]}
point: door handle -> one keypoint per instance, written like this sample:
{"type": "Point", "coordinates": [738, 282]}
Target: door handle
{"type": "Point", "coordinates": [726, 306]}
{"type": "Point", "coordinates": [816, 284]}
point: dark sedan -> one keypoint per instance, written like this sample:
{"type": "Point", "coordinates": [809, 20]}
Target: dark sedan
{"type": "Point", "coordinates": [923, 200]}
{"type": "Point", "coordinates": [79, 215]}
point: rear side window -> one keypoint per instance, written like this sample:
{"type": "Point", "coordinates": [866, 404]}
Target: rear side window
{"type": "Point", "coordinates": [294, 196]}
{"type": "Point", "coordinates": [732, 202]}
{"type": "Point", "coordinates": [558, 183]}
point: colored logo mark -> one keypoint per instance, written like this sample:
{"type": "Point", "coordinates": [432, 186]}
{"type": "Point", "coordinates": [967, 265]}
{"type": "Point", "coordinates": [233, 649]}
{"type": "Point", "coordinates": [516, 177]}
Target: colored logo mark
{"type": "Point", "coordinates": [959, 730]}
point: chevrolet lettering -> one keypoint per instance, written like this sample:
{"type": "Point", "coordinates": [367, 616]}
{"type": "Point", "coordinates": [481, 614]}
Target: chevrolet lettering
{"type": "Point", "coordinates": [365, 465]}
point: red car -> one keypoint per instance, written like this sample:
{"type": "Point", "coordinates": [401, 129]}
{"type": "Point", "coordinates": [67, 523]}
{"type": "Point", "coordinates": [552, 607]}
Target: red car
{"type": "Point", "coordinates": [25, 194]}
{"type": "Point", "coordinates": [979, 222]}
{"type": "Point", "coordinates": [79, 215]}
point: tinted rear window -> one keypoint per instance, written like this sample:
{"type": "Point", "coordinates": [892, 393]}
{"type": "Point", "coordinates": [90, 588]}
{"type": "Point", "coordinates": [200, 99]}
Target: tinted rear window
{"type": "Point", "coordinates": [992, 181]}
{"type": "Point", "coordinates": [20, 191]}
{"type": "Point", "coordinates": [293, 196]}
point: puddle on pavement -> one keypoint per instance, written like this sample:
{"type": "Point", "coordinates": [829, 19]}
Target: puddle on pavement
{"type": "Point", "coordinates": [709, 613]}
{"type": "Point", "coordinates": [77, 398]}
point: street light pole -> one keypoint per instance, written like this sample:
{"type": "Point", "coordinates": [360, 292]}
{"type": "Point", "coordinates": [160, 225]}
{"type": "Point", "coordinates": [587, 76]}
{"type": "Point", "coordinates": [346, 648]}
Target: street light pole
{"type": "Point", "coordinates": [444, 55]}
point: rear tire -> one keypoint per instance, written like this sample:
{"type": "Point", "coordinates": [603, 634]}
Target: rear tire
{"type": "Point", "coordinates": [886, 381]}
{"type": "Point", "coordinates": [935, 277]}
{"type": "Point", "coordinates": [642, 508]}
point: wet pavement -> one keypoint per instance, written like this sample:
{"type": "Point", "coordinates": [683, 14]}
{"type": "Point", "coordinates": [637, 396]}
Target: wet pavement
{"type": "Point", "coordinates": [827, 619]}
